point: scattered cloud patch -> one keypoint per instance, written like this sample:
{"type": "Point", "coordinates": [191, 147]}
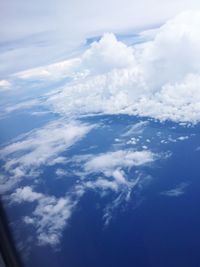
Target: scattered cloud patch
{"type": "Point", "coordinates": [136, 129]}
{"type": "Point", "coordinates": [113, 170]}
{"type": "Point", "coordinates": [119, 173]}
{"type": "Point", "coordinates": [177, 191]}
{"type": "Point", "coordinates": [4, 85]}
{"type": "Point", "coordinates": [25, 194]}
{"type": "Point", "coordinates": [50, 215]}
{"type": "Point", "coordinates": [40, 147]}
{"type": "Point", "coordinates": [61, 173]}
{"type": "Point", "coordinates": [182, 138]}
{"type": "Point", "coordinates": [108, 162]}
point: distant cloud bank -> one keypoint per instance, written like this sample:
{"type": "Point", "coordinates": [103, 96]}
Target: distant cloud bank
{"type": "Point", "coordinates": [159, 78]}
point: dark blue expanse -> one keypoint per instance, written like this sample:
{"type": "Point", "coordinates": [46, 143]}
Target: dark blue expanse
{"type": "Point", "coordinates": [152, 229]}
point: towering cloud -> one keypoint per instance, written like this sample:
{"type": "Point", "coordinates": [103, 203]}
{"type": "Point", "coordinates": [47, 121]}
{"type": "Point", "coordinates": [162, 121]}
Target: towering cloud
{"type": "Point", "coordinates": [158, 78]}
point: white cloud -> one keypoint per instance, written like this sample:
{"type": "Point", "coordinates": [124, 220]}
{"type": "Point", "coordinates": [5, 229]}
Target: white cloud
{"type": "Point", "coordinates": [102, 57]}
{"type": "Point", "coordinates": [5, 85]}
{"type": "Point", "coordinates": [22, 105]}
{"type": "Point", "coordinates": [107, 54]}
{"type": "Point", "coordinates": [182, 138]}
{"type": "Point", "coordinates": [136, 129]}
{"type": "Point", "coordinates": [108, 163]}
{"type": "Point", "coordinates": [40, 147]}
{"type": "Point", "coordinates": [159, 78]}
{"type": "Point", "coordinates": [50, 218]}
{"type": "Point", "coordinates": [177, 191]}
{"type": "Point", "coordinates": [61, 173]}
{"type": "Point", "coordinates": [113, 170]}
{"type": "Point", "coordinates": [102, 184]}
{"type": "Point", "coordinates": [33, 34]}
{"type": "Point", "coordinates": [51, 72]}
{"type": "Point", "coordinates": [25, 194]}
{"type": "Point", "coordinates": [103, 93]}
{"type": "Point", "coordinates": [50, 215]}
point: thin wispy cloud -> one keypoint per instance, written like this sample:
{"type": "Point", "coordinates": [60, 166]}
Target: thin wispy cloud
{"type": "Point", "coordinates": [50, 215]}
{"type": "Point", "coordinates": [41, 147]}
{"type": "Point", "coordinates": [179, 190]}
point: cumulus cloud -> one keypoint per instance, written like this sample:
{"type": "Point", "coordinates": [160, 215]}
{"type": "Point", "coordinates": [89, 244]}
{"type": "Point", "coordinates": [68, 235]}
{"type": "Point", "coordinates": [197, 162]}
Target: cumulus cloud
{"type": "Point", "coordinates": [42, 146]}
{"type": "Point", "coordinates": [104, 55]}
{"type": "Point", "coordinates": [108, 162]}
{"type": "Point", "coordinates": [174, 52]}
{"type": "Point", "coordinates": [159, 78]}
{"type": "Point", "coordinates": [25, 194]}
{"type": "Point", "coordinates": [107, 54]}
{"type": "Point", "coordinates": [34, 34]}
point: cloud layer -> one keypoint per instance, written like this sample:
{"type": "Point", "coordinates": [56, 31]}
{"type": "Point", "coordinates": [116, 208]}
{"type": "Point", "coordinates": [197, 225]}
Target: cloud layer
{"type": "Point", "coordinates": [34, 34]}
{"type": "Point", "coordinates": [158, 78]}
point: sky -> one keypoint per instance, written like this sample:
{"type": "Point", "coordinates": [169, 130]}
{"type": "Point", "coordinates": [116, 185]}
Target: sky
{"type": "Point", "coordinates": [157, 78]}
{"type": "Point", "coordinates": [40, 32]}
{"type": "Point", "coordinates": [49, 68]}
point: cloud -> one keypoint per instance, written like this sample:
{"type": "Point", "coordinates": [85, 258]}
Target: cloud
{"type": "Point", "coordinates": [118, 173]}
{"type": "Point", "coordinates": [22, 105]}
{"type": "Point", "coordinates": [4, 85]}
{"type": "Point", "coordinates": [113, 170]}
{"type": "Point", "coordinates": [40, 147]}
{"type": "Point", "coordinates": [182, 138]}
{"type": "Point", "coordinates": [177, 191]}
{"type": "Point", "coordinates": [51, 72]}
{"type": "Point", "coordinates": [25, 194]}
{"type": "Point", "coordinates": [107, 54]}
{"type": "Point", "coordinates": [50, 215]}
{"type": "Point", "coordinates": [102, 184]}
{"type": "Point", "coordinates": [136, 129]}
{"type": "Point", "coordinates": [159, 78]}
{"type": "Point", "coordinates": [108, 162]}
{"type": "Point", "coordinates": [61, 173]}
{"type": "Point", "coordinates": [41, 32]}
